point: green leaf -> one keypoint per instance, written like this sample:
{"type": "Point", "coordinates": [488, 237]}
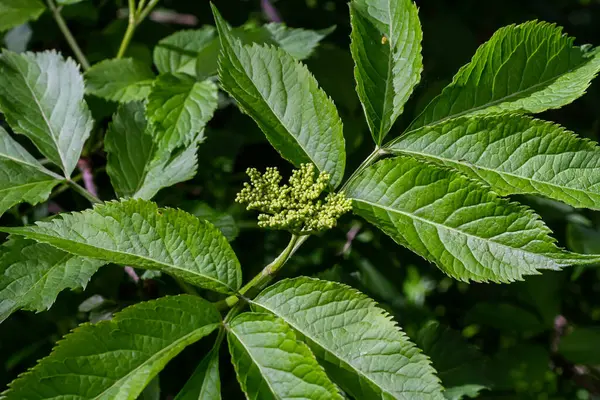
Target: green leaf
{"type": "Point", "coordinates": [225, 222]}
{"type": "Point", "coordinates": [132, 165]}
{"type": "Point", "coordinates": [460, 366]}
{"type": "Point", "coordinates": [16, 12]}
{"type": "Point", "coordinates": [116, 359]}
{"type": "Point", "coordinates": [33, 274]}
{"type": "Point", "coordinates": [527, 68]}
{"type": "Point", "coordinates": [22, 177]}
{"type": "Point", "coordinates": [138, 233]}
{"type": "Point", "coordinates": [121, 80]}
{"type": "Point", "coordinates": [514, 155]}
{"type": "Point", "coordinates": [299, 43]}
{"type": "Point", "coordinates": [178, 52]}
{"type": "Point", "coordinates": [386, 47]}
{"type": "Point", "coordinates": [204, 384]}
{"type": "Point", "coordinates": [359, 345]}
{"type": "Point", "coordinates": [41, 96]}
{"type": "Point", "coordinates": [581, 346]}
{"type": "Point", "coordinates": [179, 108]}
{"type": "Point", "coordinates": [465, 229]}
{"type": "Point", "coordinates": [271, 364]}
{"type": "Point", "coordinates": [505, 317]}
{"type": "Point", "coordinates": [284, 99]}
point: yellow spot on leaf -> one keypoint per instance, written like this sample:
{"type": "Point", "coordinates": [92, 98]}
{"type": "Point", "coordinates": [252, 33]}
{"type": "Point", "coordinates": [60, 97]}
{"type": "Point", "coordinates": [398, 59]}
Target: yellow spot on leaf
{"type": "Point", "coordinates": [384, 40]}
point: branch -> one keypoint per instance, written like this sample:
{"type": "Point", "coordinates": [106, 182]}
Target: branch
{"type": "Point", "coordinates": [62, 25]}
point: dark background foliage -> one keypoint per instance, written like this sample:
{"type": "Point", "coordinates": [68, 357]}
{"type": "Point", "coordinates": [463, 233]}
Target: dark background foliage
{"type": "Point", "coordinates": [540, 337]}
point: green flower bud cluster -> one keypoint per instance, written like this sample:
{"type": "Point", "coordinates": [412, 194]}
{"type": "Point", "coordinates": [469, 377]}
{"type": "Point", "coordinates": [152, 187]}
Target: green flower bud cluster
{"type": "Point", "coordinates": [297, 206]}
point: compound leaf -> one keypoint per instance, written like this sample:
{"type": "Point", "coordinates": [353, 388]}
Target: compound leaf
{"type": "Point", "coordinates": [179, 107]}
{"type": "Point", "coordinates": [272, 364]}
{"type": "Point", "coordinates": [118, 358]}
{"type": "Point", "coordinates": [359, 345]}
{"type": "Point", "coordinates": [121, 80]}
{"type": "Point", "coordinates": [33, 274]}
{"type": "Point", "coordinates": [22, 177]}
{"type": "Point", "coordinates": [138, 233]}
{"type": "Point", "coordinates": [284, 99]}
{"type": "Point", "coordinates": [458, 224]}
{"type": "Point", "coordinates": [514, 155]}
{"type": "Point", "coordinates": [527, 68]}
{"type": "Point", "coordinates": [16, 12]}
{"type": "Point", "coordinates": [41, 96]}
{"type": "Point", "coordinates": [386, 47]}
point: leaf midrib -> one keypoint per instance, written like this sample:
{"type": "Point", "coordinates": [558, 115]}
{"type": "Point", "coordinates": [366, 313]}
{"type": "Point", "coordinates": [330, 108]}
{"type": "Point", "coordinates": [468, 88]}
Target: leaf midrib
{"type": "Point", "coordinates": [38, 167]}
{"type": "Point", "coordinates": [489, 169]}
{"type": "Point", "coordinates": [438, 225]}
{"type": "Point", "coordinates": [158, 355]}
{"type": "Point", "coordinates": [24, 185]}
{"type": "Point", "coordinates": [49, 240]}
{"type": "Point", "coordinates": [46, 120]}
{"type": "Point", "coordinates": [255, 363]}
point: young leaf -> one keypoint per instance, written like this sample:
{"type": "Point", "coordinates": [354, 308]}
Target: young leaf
{"type": "Point", "coordinates": [118, 358]}
{"type": "Point", "coordinates": [461, 226]}
{"type": "Point", "coordinates": [205, 383]}
{"type": "Point", "coordinates": [284, 99]}
{"type": "Point", "coordinates": [41, 96]}
{"type": "Point", "coordinates": [33, 274]}
{"type": "Point", "coordinates": [460, 366]}
{"type": "Point", "coordinates": [526, 68]}
{"type": "Point", "coordinates": [180, 107]}
{"type": "Point", "coordinates": [134, 168]}
{"type": "Point", "coordinates": [386, 47]}
{"type": "Point", "coordinates": [121, 80]}
{"type": "Point", "coordinates": [16, 12]}
{"type": "Point", "coordinates": [178, 53]}
{"type": "Point", "coordinates": [359, 345]}
{"type": "Point", "coordinates": [272, 364]}
{"type": "Point", "coordinates": [138, 233]}
{"type": "Point", "coordinates": [513, 154]}
{"type": "Point", "coordinates": [22, 177]}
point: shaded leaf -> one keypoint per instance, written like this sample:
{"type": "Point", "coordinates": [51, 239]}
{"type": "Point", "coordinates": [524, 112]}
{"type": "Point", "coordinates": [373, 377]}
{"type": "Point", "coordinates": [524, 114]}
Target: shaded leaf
{"type": "Point", "coordinates": [581, 346]}
{"type": "Point", "coordinates": [121, 80]}
{"type": "Point", "coordinates": [41, 96]}
{"type": "Point", "coordinates": [179, 108]}
{"type": "Point", "coordinates": [284, 99]}
{"type": "Point", "coordinates": [16, 12]}
{"type": "Point", "coordinates": [205, 383]}
{"type": "Point", "coordinates": [505, 317]}
{"type": "Point", "coordinates": [527, 68]}
{"type": "Point", "coordinates": [138, 233]}
{"type": "Point", "coordinates": [359, 345]}
{"type": "Point", "coordinates": [225, 222]}
{"type": "Point", "coordinates": [460, 366]}
{"type": "Point", "coordinates": [178, 52]}
{"type": "Point", "coordinates": [465, 229]}
{"type": "Point", "coordinates": [33, 274]}
{"type": "Point", "coordinates": [22, 177]}
{"type": "Point", "coordinates": [118, 358]}
{"type": "Point", "coordinates": [386, 47]}
{"type": "Point", "coordinates": [514, 155]}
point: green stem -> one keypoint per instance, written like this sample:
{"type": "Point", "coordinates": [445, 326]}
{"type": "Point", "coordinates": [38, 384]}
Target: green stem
{"type": "Point", "coordinates": [186, 287]}
{"type": "Point", "coordinates": [374, 156]}
{"type": "Point", "coordinates": [136, 16]}
{"type": "Point", "coordinates": [92, 199]}
{"type": "Point", "coordinates": [261, 280]}
{"type": "Point", "coordinates": [62, 25]}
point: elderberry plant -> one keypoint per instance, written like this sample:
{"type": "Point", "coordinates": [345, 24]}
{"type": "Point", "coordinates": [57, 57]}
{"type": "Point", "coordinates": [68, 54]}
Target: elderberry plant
{"type": "Point", "coordinates": [439, 189]}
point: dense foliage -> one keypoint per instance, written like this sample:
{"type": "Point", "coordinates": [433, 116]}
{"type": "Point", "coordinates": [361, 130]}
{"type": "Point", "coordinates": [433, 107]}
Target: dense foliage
{"type": "Point", "coordinates": [442, 234]}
